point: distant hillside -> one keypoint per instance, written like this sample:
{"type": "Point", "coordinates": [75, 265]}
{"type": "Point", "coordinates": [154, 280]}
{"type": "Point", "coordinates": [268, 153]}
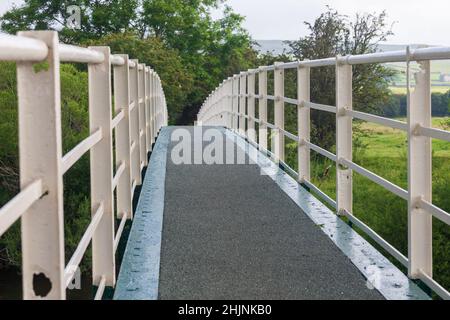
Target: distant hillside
{"type": "Point", "coordinates": [275, 47]}
{"type": "Point", "coordinates": [278, 46]}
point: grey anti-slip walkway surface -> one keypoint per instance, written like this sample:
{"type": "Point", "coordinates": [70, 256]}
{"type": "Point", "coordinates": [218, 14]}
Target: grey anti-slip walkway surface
{"type": "Point", "coordinates": [231, 233]}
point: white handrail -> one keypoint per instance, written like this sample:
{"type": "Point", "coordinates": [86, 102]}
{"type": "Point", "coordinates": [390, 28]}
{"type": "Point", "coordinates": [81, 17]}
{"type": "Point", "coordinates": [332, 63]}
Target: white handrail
{"type": "Point", "coordinates": [69, 53]}
{"type": "Point", "coordinates": [230, 98]}
{"type": "Point", "coordinates": [40, 203]}
{"type": "Point", "coordinates": [74, 262]}
{"type": "Point", "coordinates": [14, 209]}
{"type": "Point", "coordinates": [76, 153]}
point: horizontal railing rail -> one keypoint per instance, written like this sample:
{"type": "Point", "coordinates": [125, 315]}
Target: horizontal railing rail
{"type": "Point", "coordinates": [232, 105]}
{"type": "Point", "coordinates": [140, 112]}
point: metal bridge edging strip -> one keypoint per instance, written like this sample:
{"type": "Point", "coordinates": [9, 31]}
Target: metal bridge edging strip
{"type": "Point", "coordinates": [139, 273]}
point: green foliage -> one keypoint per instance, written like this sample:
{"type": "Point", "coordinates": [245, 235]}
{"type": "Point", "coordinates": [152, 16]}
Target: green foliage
{"type": "Point", "coordinates": [211, 49]}
{"type": "Point", "coordinates": [98, 17]}
{"type": "Point", "coordinates": [176, 79]}
{"type": "Point", "coordinates": [397, 105]}
{"type": "Point", "coordinates": [190, 50]}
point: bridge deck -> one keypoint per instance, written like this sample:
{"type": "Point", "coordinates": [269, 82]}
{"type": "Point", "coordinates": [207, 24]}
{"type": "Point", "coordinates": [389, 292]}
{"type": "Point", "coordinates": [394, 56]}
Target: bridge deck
{"type": "Point", "coordinates": [230, 232]}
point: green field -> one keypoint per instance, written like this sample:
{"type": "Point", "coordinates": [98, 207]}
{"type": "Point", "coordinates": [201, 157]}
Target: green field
{"type": "Point", "coordinates": [438, 68]}
{"type": "Point", "coordinates": [434, 89]}
{"type": "Point", "coordinates": [384, 151]}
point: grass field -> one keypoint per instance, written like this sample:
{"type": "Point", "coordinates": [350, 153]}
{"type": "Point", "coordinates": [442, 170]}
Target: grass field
{"type": "Point", "coordinates": [438, 67]}
{"type": "Point", "coordinates": [383, 151]}
{"type": "Point", "coordinates": [434, 89]}
{"type": "Point", "coordinates": [391, 143]}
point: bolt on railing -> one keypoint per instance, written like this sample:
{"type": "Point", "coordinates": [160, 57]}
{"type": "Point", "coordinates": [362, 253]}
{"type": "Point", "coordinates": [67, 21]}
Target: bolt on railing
{"type": "Point", "coordinates": [226, 106]}
{"type": "Point", "coordinates": [140, 112]}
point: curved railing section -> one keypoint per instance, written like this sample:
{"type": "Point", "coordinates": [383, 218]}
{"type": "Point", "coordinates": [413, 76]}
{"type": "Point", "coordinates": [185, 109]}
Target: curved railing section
{"type": "Point", "coordinates": [139, 112]}
{"type": "Point", "coordinates": [232, 105]}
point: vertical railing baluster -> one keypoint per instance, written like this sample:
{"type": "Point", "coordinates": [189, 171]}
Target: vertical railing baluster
{"type": "Point", "coordinates": [148, 142]}
{"type": "Point", "coordinates": [141, 99]}
{"type": "Point", "coordinates": [123, 155]}
{"type": "Point", "coordinates": [40, 149]}
{"type": "Point", "coordinates": [251, 134]}
{"type": "Point", "coordinates": [229, 103]}
{"type": "Point", "coordinates": [101, 160]}
{"type": "Point", "coordinates": [223, 106]}
{"type": "Point", "coordinates": [242, 99]}
{"type": "Point", "coordinates": [220, 105]}
{"type": "Point", "coordinates": [158, 117]}
{"type": "Point", "coordinates": [279, 112]}
{"type": "Point", "coordinates": [262, 107]}
{"type": "Point", "coordinates": [151, 92]}
{"type": "Point", "coordinates": [304, 118]}
{"type": "Point", "coordinates": [134, 125]}
{"type": "Point", "coordinates": [153, 105]}
{"type": "Point", "coordinates": [343, 136]}
{"type": "Point", "coordinates": [217, 103]}
{"type": "Point", "coordinates": [157, 111]}
{"type": "Point", "coordinates": [420, 253]}
{"type": "Point", "coordinates": [235, 103]}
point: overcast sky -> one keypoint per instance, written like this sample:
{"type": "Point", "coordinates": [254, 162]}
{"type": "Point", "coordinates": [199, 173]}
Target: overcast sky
{"type": "Point", "coordinates": [417, 21]}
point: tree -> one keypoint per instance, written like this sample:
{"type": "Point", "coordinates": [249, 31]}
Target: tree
{"type": "Point", "coordinates": [176, 79]}
{"type": "Point", "coordinates": [208, 50]}
{"type": "Point", "coordinates": [332, 34]}
{"type": "Point", "coordinates": [211, 49]}
{"type": "Point", "coordinates": [98, 18]}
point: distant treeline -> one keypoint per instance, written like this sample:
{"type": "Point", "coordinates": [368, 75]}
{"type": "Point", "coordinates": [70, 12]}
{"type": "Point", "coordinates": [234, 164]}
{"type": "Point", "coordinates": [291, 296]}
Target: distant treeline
{"type": "Point", "coordinates": [397, 105]}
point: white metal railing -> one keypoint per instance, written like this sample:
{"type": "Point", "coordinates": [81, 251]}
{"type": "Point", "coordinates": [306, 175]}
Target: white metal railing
{"type": "Point", "coordinates": [232, 105]}
{"type": "Point", "coordinates": [140, 111]}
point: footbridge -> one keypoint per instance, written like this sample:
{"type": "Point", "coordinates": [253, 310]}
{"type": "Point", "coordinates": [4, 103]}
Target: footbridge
{"type": "Point", "coordinates": [219, 213]}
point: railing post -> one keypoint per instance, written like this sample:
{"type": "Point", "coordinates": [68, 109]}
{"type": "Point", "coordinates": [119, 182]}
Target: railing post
{"type": "Point", "coordinates": [40, 158]}
{"type": "Point", "coordinates": [420, 235]}
{"type": "Point", "coordinates": [262, 107]}
{"type": "Point", "coordinates": [142, 117]}
{"type": "Point", "coordinates": [343, 136]}
{"type": "Point", "coordinates": [101, 159]}
{"type": "Point", "coordinates": [279, 112]}
{"type": "Point", "coordinates": [158, 109]}
{"type": "Point", "coordinates": [242, 102]}
{"type": "Point", "coordinates": [152, 105]}
{"type": "Point", "coordinates": [166, 114]}
{"type": "Point", "coordinates": [122, 131]}
{"type": "Point", "coordinates": [303, 115]}
{"type": "Point", "coordinates": [134, 125]}
{"type": "Point", "coordinates": [219, 104]}
{"type": "Point", "coordinates": [251, 106]}
{"type": "Point", "coordinates": [147, 110]}
{"type": "Point", "coordinates": [229, 106]}
{"type": "Point", "coordinates": [235, 102]}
